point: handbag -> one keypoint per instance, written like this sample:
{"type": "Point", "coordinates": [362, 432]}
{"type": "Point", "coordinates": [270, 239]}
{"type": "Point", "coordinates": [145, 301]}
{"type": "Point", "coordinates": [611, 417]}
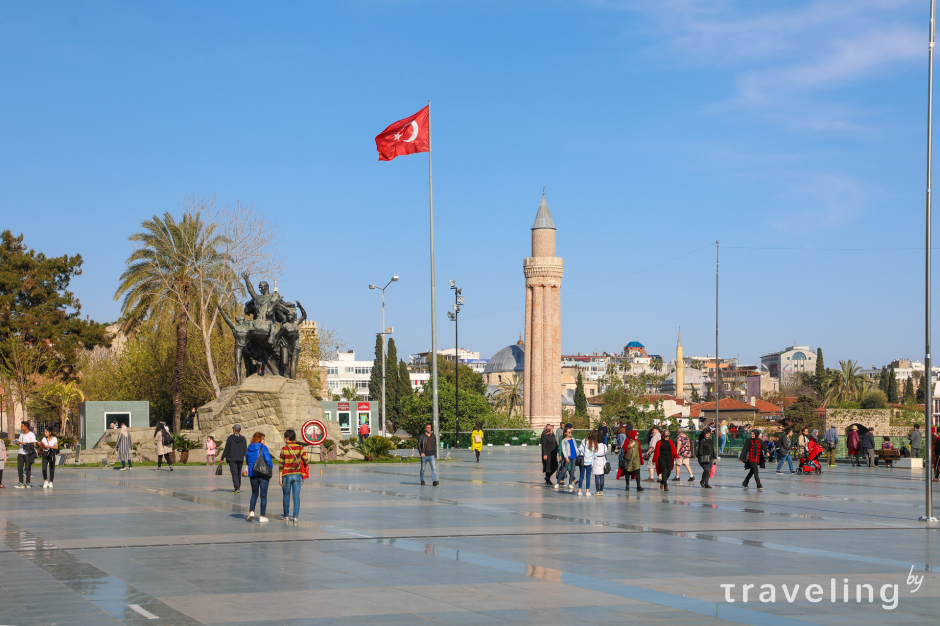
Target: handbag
{"type": "Point", "coordinates": [167, 439]}
{"type": "Point", "coordinates": [261, 467]}
{"type": "Point", "coordinates": [607, 467]}
{"type": "Point", "coordinates": [579, 461]}
{"type": "Point", "coordinates": [218, 470]}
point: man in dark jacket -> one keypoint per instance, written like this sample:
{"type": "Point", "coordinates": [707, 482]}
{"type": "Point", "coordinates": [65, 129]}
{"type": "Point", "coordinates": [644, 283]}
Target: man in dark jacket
{"type": "Point", "coordinates": [916, 440]}
{"type": "Point", "coordinates": [427, 446]}
{"type": "Point", "coordinates": [784, 449]}
{"type": "Point", "coordinates": [234, 452]}
{"type": "Point", "coordinates": [868, 446]}
{"type": "Point", "coordinates": [706, 456]}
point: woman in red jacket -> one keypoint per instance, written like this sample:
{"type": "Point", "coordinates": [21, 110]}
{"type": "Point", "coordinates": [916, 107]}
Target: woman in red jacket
{"type": "Point", "coordinates": [664, 458]}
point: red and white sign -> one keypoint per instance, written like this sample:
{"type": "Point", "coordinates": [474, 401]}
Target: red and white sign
{"type": "Point", "coordinates": [363, 406]}
{"type": "Point", "coordinates": [313, 432]}
{"type": "Point", "coordinates": [342, 406]}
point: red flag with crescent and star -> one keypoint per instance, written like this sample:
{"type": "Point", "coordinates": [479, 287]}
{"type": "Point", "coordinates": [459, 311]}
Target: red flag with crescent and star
{"type": "Point", "coordinates": [407, 136]}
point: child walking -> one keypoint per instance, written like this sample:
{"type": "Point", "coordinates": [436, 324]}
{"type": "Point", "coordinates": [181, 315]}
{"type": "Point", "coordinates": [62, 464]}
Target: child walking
{"type": "Point", "coordinates": [210, 450]}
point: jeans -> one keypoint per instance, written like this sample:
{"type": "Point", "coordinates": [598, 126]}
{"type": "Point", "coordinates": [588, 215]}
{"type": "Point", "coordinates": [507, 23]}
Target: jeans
{"type": "Point", "coordinates": [432, 461]}
{"type": "Point", "coordinates": [128, 463]}
{"type": "Point", "coordinates": [24, 465]}
{"type": "Point", "coordinates": [788, 460]}
{"type": "Point", "coordinates": [236, 468]}
{"type": "Point", "coordinates": [259, 486]}
{"type": "Point", "coordinates": [48, 468]}
{"type": "Point", "coordinates": [565, 469]}
{"type": "Point", "coordinates": [291, 490]}
{"type": "Point", "coordinates": [752, 471]}
{"type": "Point", "coordinates": [584, 478]}
{"type": "Point", "coordinates": [599, 482]}
{"type": "Point", "coordinates": [721, 443]}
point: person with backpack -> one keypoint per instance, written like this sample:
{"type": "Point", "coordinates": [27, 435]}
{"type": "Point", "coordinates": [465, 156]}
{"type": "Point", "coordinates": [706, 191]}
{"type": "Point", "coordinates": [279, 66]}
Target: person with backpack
{"type": "Point", "coordinates": [476, 440]}
{"type": "Point", "coordinates": [164, 442]}
{"type": "Point", "coordinates": [259, 474]}
{"type": "Point", "coordinates": [234, 452]}
{"type": "Point", "coordinates": [784, 450]}
{"type": "Point", "coordinates": [293, 467]}
{"type": "Point", "coordinates": [50, 448]}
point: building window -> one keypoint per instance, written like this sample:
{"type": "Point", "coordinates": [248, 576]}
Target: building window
{"type": "Point", "coordinates": [332, 371]}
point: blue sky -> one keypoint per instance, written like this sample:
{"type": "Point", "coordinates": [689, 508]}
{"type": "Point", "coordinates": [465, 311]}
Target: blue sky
{"type": "Point", "coordinates": [792, 132]}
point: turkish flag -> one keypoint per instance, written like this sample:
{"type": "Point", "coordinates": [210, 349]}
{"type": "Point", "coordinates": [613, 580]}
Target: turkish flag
{"type": "Point", "coordinates": [406, 136]}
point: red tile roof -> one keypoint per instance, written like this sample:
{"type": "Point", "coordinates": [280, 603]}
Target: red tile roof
{"type": "Point", "coordinates": [725, 404]}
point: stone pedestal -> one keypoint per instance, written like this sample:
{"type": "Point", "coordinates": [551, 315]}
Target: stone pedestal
{"type": "Point", "coordinates": [265, 404]}
{"type": "Point", "coordinates": [910, 463]}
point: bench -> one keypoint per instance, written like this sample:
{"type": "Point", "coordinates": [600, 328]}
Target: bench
{"type": "Point", "coordinates": [888, 456]}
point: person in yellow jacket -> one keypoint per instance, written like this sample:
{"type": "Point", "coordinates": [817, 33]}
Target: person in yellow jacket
{"type": "Point", "coordinates": [476, 440]}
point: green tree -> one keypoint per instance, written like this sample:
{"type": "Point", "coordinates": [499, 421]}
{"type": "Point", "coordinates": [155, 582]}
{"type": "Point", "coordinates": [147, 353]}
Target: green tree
{"type": "Point", "coordinates": [820, 378]}
{"type": "Point", "coordinates": [508, 395]}
{"type": "Point", "coordinates": [921, 395]}
{"type": "Point", "coordinates": [695, 396]}
{"type": "Point", "coordinates": [392, 388]}
{"type": "Point", "coordinates": [469, 380]}
{"type": "Point", "coordinates": [417, 408]}
{"type": "Point", "coordinates": [162, 275]}
{"type": "Point", "coordinates": [909, 389]}
{"type": "Point", "coordinates": [874, 399]}
{"type": "Point", "coordinates": [375, 379]}
{"type": "Point", "coordinates": [884, 381]}
{"type": "Point", "coordinates": [846, 383]}
{"type": "Point", "coordinates": [802, 414]}
{"type": "Point", "coordinates": [893, 394]}
{"type": "Point", "coordinates": [580, 400]}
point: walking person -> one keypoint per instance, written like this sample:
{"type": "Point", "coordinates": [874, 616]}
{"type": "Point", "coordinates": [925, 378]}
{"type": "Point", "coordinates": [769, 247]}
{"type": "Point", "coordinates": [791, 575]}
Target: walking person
{"type": "Point", "coordinates": [3, 461]}
{"type": "Point", "coordinates": [784, 450]}
{"type": "Point", "coordinates": [631, 458]}
{"type": "Point", "coordinates": [569, 454]}
{"type": "Point", "coordinates": [651, 442]}
{"type": "Point", "coordinates": [210, 450]}
{"type": "Point", "coordinates": [753, 456]}
{"type": "Point", "coordinates": [549, 453]}
{"type": "Point", "coordinates": [25, 456]}
{"type": "Point", "coordinates": [599, 467]}
{"type": "Point", "coordinates": [867, 446]}
{"type": "Point", "coordinates": [684, 449]}
{"type": "Point", "coordinates": [706, 457]}
{"type": "Point", "coordinates": [476, 440]}
{"type": "Point", "coordinates": [852, 443]}
{"type": "Point", "coordinates": [664, 457]}
{"type": "Point", "coordinates": [603, 434]}
{"type": "Point", "coordinates": [234, 452]}
{"type": "Point", "coordinates": [164, 442]}
{"type": "Point", "coordinates": [587, 450]}
{"type": "Point", "coordinates": [916, 439]}
{"type": "Point", "coordinates": [124, 446]}
{"type": "Point", "coordinates": [722, 437]}
{"type": "Point", "coordinates": [832, 442]}
{"type": "Point", "coordinates": [293, 465]}
{"type": "Point", "coordinates": [427, 445]}
{"type": "Point", "coordinates": [259, 481]}
{"type": "Point", "coordinates": [50, 448]}
{"type": "Point", "coordinates": [801, 443]}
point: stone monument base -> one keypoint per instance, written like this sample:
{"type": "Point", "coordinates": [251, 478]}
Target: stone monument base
{"type": "Point", "coordinates": [268, 405]}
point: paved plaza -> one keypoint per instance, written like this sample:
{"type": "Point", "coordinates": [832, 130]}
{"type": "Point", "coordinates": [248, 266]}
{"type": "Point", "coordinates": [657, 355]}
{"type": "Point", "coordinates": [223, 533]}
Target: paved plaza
{"type": "Point", "coordinates": [490, 545]}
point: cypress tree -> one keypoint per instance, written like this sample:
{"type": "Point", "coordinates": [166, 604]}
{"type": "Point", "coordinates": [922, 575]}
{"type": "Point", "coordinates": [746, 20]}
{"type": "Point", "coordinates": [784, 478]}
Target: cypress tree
{"type": "Point", "coordinates": [921, 395]}
{"type": "Point", "coordinates": [909, 388]}
{"type": "Point", "coordinates": [883, 380]}
{"type": "Point", "coordinates": [391, 383]}
{"type": "Point", "coordinates": [580, 400]}
{"type": "Point", "coordinates": [405, 388]}
{"type": "Point", "coordinates": [820, 378]}
{"type": "Point", "coordinates": [893, 395]}
{"type": "Point", "coordinates": [375, 380]}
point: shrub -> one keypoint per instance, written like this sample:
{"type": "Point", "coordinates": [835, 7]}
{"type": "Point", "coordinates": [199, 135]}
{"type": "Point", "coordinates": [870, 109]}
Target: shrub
{"type": "Point", "coordinates": [410, 443]}
{"type": "Point", "coordinates": [874, 399]}
{"type": "Point", "coordinates": [328, 444]}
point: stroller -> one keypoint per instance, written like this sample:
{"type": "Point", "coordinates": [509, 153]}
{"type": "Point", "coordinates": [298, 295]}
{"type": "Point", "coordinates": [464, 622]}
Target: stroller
{"type": "Point", "coordinates": [808, 462]}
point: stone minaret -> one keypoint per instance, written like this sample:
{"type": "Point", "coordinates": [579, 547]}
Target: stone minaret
{"type": "Point", "coordinates": [680, 369]}
{"type": "Point", "coordinates": [542, 376]}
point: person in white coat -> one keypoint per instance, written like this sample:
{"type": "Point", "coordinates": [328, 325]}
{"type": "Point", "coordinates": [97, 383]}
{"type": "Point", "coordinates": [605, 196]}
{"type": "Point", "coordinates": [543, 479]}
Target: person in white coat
{"type": "Point", "coordinates": [587, 450]}
{"type": "Point", "coordinates": [599, 467]}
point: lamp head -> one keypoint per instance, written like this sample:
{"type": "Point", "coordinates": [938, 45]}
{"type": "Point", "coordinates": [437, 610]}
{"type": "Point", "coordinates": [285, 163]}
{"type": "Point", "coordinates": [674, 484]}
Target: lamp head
{"type": "Point", "coordinates": [460, 300]}
{"type": "Point", "coordinates": [452, 282]}
{"type": "Point", "coordinates": [394, 279]}
{"type": "Point", "coordinates": [451, 316]}
{"type": "Point", "coordinates": [371, 286]}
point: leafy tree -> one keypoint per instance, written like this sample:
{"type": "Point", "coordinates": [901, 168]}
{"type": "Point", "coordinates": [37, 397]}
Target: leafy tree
{"type": "Point", "coordinates": [802, 414]}
{"type": "Point", "coordinates": [580, 400]}
{"type": "Point", "coordinates": [375, 379]}
{"type": "Point", "coordinates": [874, 399]}
{"type": "Point", "coordinates": [884, 380]}
{"type": "Point", "coordinates": [417, 409]}
{"type": "Point", "coordinates": [921, 395]}
{"type": "Point", "coordinates": [846, 384]}
{"type": "Point", "coordinates": [695, 396]}
{"type": "Point", "coordinates": [508, 395]}
{"type": "Point", "coordinates": [469, 380]}
{"type": "Point", "coordinates": [893, 395]}
{"type": "Point", "coordinates": [392, 388]}
{"type": "Point", "coordinates": [909, 389]}
{"type": "Point", "coordinates": [820, 377]}
{"type": "Point", "coordinates": [405, 387]}
{"type": "Point", "coordinates": [349, 394]}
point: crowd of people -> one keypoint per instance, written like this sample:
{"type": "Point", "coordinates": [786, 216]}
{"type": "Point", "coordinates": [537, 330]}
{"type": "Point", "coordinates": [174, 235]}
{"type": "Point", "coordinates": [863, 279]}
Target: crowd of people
{"type": "Point", "coordinates": [569, 461]}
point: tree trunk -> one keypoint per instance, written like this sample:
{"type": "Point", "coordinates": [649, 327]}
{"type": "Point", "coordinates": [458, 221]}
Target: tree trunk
{"type": "Point", "coordinates": [207, 342]}
{"type": "Point", "coordinates": [179, 367]}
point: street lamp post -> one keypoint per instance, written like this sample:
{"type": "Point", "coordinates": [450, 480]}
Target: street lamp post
{"type": "Point", "coordinates": [458, 300]}
{"type": "Point", "coordinates": [385, 331]}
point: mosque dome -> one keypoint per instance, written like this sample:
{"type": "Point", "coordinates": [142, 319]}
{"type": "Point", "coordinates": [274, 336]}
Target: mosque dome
{"type": "Point", "coordinates": [509, 359]}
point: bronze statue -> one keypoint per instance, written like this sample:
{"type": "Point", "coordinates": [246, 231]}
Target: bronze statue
{"type": "Point", "coordinates": [269, 343]}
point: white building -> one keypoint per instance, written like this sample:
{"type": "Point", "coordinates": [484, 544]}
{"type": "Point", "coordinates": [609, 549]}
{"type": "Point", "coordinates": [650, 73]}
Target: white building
{"type": "Point", "coordinates": [793, 360]}
{"type": "Point", "coordinates": [346, 372]}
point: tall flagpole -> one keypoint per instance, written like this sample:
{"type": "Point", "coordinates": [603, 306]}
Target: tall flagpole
{"type": "Point", "coordinates": [434, 408]}
{"type": "Point", "coordinates": [928, 397]}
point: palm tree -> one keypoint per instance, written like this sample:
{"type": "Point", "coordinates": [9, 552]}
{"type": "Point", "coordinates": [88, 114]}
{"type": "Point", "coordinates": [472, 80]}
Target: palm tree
{"type": "Point", "coordinates": [63, 396]}
{"type": "Point", "coordinates": [846, 383]}
{"type": "Point", "coordinates": [349, 394]}
{"type": "Point", "coordinates": [508, 394]}
{"type": "Point", "coordinates": [161, 278]}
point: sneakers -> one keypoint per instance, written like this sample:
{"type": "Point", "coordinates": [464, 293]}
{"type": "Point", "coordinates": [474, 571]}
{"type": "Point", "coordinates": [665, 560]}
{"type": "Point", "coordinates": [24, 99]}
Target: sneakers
{"type": "Point", "coordinates": [690, 479]}
{"type": "Point", "coordinates": [45, 484]}
{"type": "Point", "coordinates": [640, 489]}
{"type": "Point", "coordinates": [570, 488]}
{"type": "Point", "coordinates": [422, 483]}
{"type": "Point", "coordinates": [236, 491]}
{"type": "Point", "coordinates": [760, 488]}
{"type": "Point", "coordinates": [587, 493]}
{"type": "Point", "coordinates": [676, 478]}
{"type": "Point", "coordinates": [262, 519]}
{"type": "Point", "coordinates": [285, 518]}
{"type": "Point", "coordinates": [556, 486]}
{"type": "Point", "coordinates": [28, 486]}
{"type": "Point", "coordinates": [779, 472]}
{"type": "Point", "coordinates": [251, 516]}
{"type": "Point", "coordinates": [50, 484]}
{"type": "Point", "coordinates": [435, 483]}
{"type": "Point", "coordinates": [20, 486]}
{"type": "Point", "coordinates": [600, 493]}
{"type": "Point", "coordinates": [579, 493]}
